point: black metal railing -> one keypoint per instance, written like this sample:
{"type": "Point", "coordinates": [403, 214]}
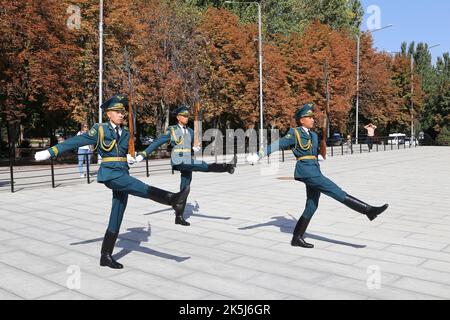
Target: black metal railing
{"type": "Point", "coordinates": [351, 146]}
{"type": "Point", "coordinates": [57, 172]}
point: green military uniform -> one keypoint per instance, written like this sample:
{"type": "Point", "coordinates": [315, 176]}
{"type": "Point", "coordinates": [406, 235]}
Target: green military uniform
{"type": "Point", "coordinates": [305, 147]}
{"type": "Point", "coordinates": [182, 141]}
{"type": "Point", "coordinates": [112, 146]}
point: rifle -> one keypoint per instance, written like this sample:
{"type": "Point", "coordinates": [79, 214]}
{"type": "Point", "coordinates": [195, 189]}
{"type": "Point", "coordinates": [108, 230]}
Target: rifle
{"type": "Point", "coordinates": [323, 143]}
{"type": "Point", "coordinates": [198, 119]}
{"type": "Point", "coordinates": [131, 148]}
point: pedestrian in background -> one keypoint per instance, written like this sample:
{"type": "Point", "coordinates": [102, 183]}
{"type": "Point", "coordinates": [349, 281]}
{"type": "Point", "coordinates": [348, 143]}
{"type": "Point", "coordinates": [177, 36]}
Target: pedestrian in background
{"type": "Point", "coordinates": [84, 152]}
{"type": "Point", "coordinates": [370, 134]}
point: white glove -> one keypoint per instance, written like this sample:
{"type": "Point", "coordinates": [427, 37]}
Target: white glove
{"type": "Point", "coordinates": [42, 155]}
{"type": "Point", "coordinates": [320, 158]}
{"type": "Point", "coordinates": [139, 158]}
{"type": "Point", "coordinates": [196, 149]}
{"type": "Point", "coordinates": [130, 159]}
{"type": "Point", "coordinates": [253, 158]}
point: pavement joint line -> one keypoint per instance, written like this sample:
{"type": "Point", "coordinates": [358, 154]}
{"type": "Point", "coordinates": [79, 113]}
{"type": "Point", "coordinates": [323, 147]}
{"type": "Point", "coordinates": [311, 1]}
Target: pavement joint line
{"type": "Point", "coordinates": [413, 232]}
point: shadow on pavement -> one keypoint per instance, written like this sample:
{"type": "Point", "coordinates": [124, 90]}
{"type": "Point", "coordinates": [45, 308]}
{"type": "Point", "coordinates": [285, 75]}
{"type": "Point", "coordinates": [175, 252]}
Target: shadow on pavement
{"type": "Point", "coordinates": [287, 225]}
{"type": "Point", "coordinates": [131, 241]}
{"type": "Point", "coordinates": [189, 211]}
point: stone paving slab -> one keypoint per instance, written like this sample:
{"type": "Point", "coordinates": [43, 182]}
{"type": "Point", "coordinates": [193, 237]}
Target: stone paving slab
{"type": "Point", "coordinates": [238, 246]}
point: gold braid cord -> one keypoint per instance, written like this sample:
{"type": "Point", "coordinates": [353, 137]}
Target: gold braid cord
{"type": "Point", "coordinates": [174, 138]}
{"type": "Point", "coordinates": [302, 146]}
{"type": "Point", "coordinates": [101, 141]}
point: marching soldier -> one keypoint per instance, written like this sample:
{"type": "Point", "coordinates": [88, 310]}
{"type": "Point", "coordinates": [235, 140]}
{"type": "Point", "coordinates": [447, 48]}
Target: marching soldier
{"type": "Point", "coordinates": [305, 146]}
{"type": "Point", "coordinates": [111, 142]}
{"type": "Point", "coordinates": [181, 138]}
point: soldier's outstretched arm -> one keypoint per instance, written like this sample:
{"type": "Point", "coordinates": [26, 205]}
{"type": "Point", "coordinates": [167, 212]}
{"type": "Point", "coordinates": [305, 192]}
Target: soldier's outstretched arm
{"type": "Point", "coordinates": [287, 141]}
{"type": "Point", "coordinates": [165, 138]}
{"type": "Point", "coordinates": [87, 138]}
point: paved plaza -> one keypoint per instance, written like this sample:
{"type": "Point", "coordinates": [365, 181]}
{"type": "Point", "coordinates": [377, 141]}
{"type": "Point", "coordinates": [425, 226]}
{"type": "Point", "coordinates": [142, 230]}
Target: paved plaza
{"type": "Point", "coordinates": [238, 246]}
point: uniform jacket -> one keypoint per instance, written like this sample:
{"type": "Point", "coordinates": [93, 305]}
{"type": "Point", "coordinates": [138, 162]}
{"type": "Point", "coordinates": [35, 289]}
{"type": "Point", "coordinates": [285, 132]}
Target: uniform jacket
{"type": "Point", "coordinates": [181, 144]}
{"type": "Point", "coordinates": [302, 144]}
{"type": "Point", "coordinates": [103, 137]}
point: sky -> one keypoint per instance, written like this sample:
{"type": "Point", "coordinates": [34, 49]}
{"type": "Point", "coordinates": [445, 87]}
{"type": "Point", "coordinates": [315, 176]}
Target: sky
{"type": "Point", "coordinates": [413, 20]}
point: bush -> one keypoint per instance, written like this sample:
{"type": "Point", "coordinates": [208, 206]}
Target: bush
{"type": "Point", "coordinates": [443, 139]}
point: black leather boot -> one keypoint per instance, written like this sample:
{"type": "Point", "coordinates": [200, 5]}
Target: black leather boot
{"type": "Point", "coordinates": [222, 167]}
{"type": "Point", "coordinates": [364, 208]}
{"type": "Point", "coordinates": [179, 219]}
{"type": "Point", "coordinates": [299, 231]}
{"type": "Point", "coordinates": [106, 259]}
{"type": "Point", "coordinates": [232, 165]}
{"type": "Point", "coordinates": [176, 200]}
{"type": "Point", "coordinates": [217, 167]}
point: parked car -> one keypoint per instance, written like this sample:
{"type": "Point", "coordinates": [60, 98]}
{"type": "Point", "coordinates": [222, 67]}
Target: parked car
{"type": "Point", "coordinates": [336, 140]}
{"type": "Point", "coordinates": [396, 139]}
{"type": "Point", "coordinates": [146, 140]}
{"type": "Point", "coordinates": [408, 141]}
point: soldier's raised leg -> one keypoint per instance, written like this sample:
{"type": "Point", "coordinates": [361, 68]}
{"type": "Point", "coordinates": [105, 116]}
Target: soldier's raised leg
{"type": "Point", "coordinates": [328, 187]}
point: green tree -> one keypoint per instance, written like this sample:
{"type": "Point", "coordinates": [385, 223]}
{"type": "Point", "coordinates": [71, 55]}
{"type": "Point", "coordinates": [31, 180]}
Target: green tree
{"type": "Point", "coordinates": [289, 16]}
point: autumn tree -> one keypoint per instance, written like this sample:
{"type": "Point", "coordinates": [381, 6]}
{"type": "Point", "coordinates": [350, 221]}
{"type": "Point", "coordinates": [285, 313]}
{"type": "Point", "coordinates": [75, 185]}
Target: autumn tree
{"type": "Point", "coordinates": [307, 56]}
{"type": "Point", "coordinates": [378, 102]}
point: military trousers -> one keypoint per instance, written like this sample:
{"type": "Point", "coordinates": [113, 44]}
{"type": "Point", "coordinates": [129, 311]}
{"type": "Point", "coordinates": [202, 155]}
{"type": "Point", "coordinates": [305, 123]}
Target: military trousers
{"type": "Point", "coordinates": [315, 186]}
{"type": "Point", "coordinates": [121, 187]}
{"type": "Point", "coordinates": [186, 170]}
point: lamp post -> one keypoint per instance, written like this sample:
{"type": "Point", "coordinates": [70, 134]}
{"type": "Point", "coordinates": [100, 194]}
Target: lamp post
{"type": "Point", "coordinates": [261, 118]}
{"type": "Point", "coordinates": [100, 64]}
{"type": "Point", "coordinates": [100, 68]}
{"type": "Point", "coordinates": [358, 53]}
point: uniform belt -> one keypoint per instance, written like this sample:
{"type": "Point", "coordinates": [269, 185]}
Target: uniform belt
{"type": "Point", "coordinates": [307, 158]}
{"type": "Point", "coordinates": [114, 159]}
{"type": "Point", "coordinates": [182, 150]}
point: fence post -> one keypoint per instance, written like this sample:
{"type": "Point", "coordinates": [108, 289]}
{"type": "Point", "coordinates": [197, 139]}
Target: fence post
{"type": "Point", "coordinates": [360, 147]}
{"type": "Point", "coordinates": [332, 153]}
{"type": "Point", "coordinates": [88, 173]}
{"type": "Point", "coordinates": [351, 146]}
{"type": "Point", "coordinates": [384, 145]}
{"type": "Point", "coordinates": [377, 146]}
{"type": "Point", "coordinates": [11, 169]}
{"type": "Point", "coordinates": [342, 148]}
{"type": "Point", "coordinates": [282, 155]}
{"type": "Point", "coordinates": [53, 173]}
{"type": "Point", "coordinates": [146, 167]}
